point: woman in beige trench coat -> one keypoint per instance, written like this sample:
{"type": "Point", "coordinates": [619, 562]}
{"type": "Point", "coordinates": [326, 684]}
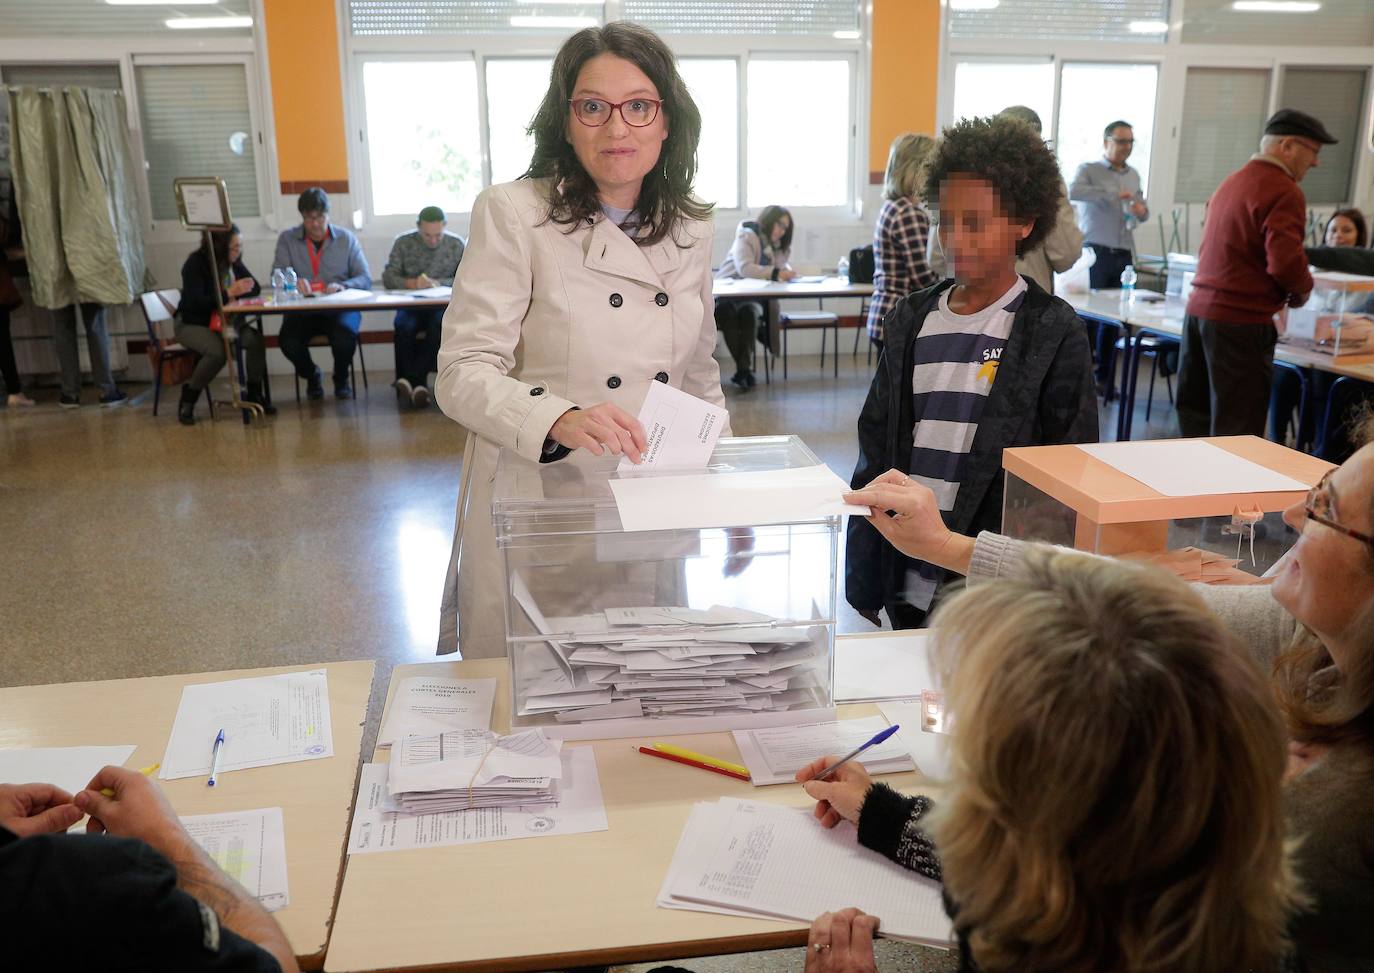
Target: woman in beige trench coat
{"type": "Point", "coordinates": [582, 283]}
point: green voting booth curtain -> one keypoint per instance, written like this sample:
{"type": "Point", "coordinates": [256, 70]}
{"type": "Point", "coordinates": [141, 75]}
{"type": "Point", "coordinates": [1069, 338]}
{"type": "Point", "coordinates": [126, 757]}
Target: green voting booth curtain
{"type": "Point", "coordinates": [73, 182]}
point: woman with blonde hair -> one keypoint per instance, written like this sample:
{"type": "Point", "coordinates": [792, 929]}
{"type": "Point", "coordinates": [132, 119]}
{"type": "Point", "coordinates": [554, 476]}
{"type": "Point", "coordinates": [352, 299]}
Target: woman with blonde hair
{"type": "Point", "coordinates": [1114, 794]}
{"type": "Point", "coordinates": [901, 259]}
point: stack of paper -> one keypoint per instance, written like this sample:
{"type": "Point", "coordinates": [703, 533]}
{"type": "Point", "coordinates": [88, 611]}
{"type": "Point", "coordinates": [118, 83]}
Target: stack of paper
{"type": "Point", "coordinates": [1198, 566]}
{"type": "Point", "coordinates": [768, 862]}
{"type": "Point", "coordinates": [426, 705]}
{"type": "Point", "coordinates": [665, 662]}
{"type": "Point", "coordinates": [466, 769]}
{"type": "Point", "coordinates": [774, 754]}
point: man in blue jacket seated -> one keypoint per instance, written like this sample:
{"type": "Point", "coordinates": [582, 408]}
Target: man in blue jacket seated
{"type": "Point", "coordinates": [327, 259]}
{"type": "Point", "coordinates": [134, 893]}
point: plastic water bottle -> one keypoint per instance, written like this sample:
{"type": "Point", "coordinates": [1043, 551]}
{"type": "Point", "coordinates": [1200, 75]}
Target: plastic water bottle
{"type": "Point", "coordinates": [1128, 280]}
{"type": "Point", "coordinates": [842, 268]}
{"type": "Point", "coordinates": [290, 286]}
{"type": "Point", "coordinates": [278, 285]}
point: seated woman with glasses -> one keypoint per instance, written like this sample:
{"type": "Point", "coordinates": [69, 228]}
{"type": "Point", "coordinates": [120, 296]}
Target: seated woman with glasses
{"type": "Point", "coordinates": [761, 250]}
{"type": "Point", "coordinates": [583, 282]}
{"type": "Point", "coordinates": [1312, 628]}
{"type": "Point", "coordinates": [1114, 799]}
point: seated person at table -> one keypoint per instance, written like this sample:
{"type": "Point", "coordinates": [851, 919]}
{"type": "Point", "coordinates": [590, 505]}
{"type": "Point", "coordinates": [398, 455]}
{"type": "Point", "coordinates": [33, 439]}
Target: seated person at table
{"type": "Point", "coordinates": [761, 250]}
{"type": "Point", "coordinates": [198, 325]}
{"type": "Point", "coordinates": [1114, 799]}
{"type": "Point", "coordinates": [1346, 228]}
{"type": "Point", "coordinates": [134, 893]}
{"type": "Point", "coordinates": [426, 256]}
{"type": "Point", "coordinates": [973, 364]}
{"type": "Point", "coordinates": [327, 259]}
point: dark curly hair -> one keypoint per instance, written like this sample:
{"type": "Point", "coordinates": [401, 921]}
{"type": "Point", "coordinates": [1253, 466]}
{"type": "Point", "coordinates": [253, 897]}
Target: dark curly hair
{"type": "Point", "coordinates": [666, 197]}
{"type": "Point", "coordinates": [1010, 156]}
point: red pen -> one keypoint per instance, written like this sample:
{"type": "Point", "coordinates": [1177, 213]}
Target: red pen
{"type": "Point", "coordinates": [692, 763]}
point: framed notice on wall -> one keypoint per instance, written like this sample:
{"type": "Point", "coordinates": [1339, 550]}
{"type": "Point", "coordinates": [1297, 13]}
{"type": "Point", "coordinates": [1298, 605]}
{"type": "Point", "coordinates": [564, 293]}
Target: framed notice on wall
{"type": "Point", "coordinates": [202, 202]}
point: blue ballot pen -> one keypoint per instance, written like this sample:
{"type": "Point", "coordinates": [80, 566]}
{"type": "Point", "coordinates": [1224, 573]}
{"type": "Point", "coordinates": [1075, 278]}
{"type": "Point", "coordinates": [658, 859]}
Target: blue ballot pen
{"type": "Point", "coordinates": [214, 759]}
{"type": "Point", "coordinates": [856, 751]}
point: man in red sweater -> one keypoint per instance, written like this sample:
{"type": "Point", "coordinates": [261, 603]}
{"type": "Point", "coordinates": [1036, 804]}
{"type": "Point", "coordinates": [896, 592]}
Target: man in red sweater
{"type": "Point", "coordinates": [1251, 263]}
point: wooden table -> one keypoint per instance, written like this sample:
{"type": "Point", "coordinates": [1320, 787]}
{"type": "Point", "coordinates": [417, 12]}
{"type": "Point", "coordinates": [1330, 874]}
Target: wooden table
{"type": "Point", "coordinates": [381, 300]}
{"type": "Point", "coordinates": [554, 902]}
{"type": "Point", "coordinates": [316, 796]}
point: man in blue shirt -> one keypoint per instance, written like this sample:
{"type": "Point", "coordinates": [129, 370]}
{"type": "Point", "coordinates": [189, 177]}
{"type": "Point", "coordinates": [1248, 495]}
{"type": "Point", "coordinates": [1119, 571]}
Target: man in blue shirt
{"type": "Point", "coordinates": [327, 259]}
{"type": "Point", "coordinates": [1110, 204]}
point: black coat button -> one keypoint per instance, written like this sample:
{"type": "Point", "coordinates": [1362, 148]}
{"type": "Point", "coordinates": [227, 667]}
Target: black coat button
{"type": "Point", "coordinates": [661, 299]}
{"type": "Point", "coordinates": [536, 391]}
{"type": "Point", "coordinates": [661, 377]}
{"type": "Point", "coordinates": [613, 382]}
{"type": "Point", "coordinates": [617, 300]}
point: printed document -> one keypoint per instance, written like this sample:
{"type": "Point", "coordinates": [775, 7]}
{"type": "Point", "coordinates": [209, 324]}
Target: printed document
{"type": "Point", "coordinates": [579, 809]}
{"type": "Point", "coordinates": [774, 754]}
{"type": "Point", "coordinates": [250, 846]}
{"type": "Point", "coordinates": [267, 720]}
{"type": "Point", "coordinates": [1190, 467]}
{"type": "Point", "coordinates": [427, 705]}
{"type": "Point", "coordinates": [681, 430]}
{"type": "Point", "coordinates": [749, 858]}
{"type": "Point", "coordinates": [745, 499]}
{"type": "Point", "coordinates": [70, 768]}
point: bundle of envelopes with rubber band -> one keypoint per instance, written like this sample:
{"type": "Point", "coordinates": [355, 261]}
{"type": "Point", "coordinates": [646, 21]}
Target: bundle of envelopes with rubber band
{"type": "Point", "coordinates": [474, 768]}
{"type": "Point", "coordinates": [667, 662]}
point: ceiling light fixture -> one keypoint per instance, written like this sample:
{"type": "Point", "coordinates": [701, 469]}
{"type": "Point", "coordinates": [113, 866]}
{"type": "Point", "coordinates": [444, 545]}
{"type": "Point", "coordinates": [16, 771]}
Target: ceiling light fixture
{"type": "Point", "coordinates": [208, 23]}
{"type": "Point", "coordinates": [974, 4]}
{"type": "Point", "coordinates": [554, 22]}
{"type": "Point", "coordinates": [1276, 6]}
{"type": "Point", "coordinates": [161, 3]}
{"type": "Point", "coordinates": [1148, 27]}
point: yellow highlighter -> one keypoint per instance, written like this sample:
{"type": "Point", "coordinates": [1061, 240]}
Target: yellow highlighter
{"type": "Point", "coordinates": [702, 758]}
{"type": "Point", "coordinates": [146, 772]}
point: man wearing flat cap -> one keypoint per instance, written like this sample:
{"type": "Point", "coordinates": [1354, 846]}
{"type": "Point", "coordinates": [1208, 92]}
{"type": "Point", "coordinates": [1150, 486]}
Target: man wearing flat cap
{"type": "Point", "coordinates": [1250, 264]}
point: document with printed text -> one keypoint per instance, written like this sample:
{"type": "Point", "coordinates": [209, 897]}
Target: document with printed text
{"type": "Point", "coordinates": [427, 705]}
{"type": "Point", "coordinates": [681, 430]}
{"type": "Point", "coordinates": [250, 846]}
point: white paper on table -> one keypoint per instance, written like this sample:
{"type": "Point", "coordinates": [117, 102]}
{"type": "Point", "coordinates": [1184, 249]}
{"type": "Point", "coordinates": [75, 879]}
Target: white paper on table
{"type": "Point", "coordinates": [345, 296]}
{"type": "Point", "coordinates": [893, 666]}
{"type": "Point", "coordinates": [680, 428]}
{"type": "Point", "coordinates": [266, 720]}
{"type": "Point", "coordinates": [470, 758]}
{"type": "Point", "coordinates": [579, 809]}
{"type": "Point", "coordinates": [250, 847]}
{"type": "Point", "coordinates": [774, 754]}
{"type": "Point", "coordinates": [929, 751]}
{"type": "Point", "coordinates": [766, 860]}
{"type": "Point", "coordinates": [70, 768]}
{"type": "Point", "coordinates": [438, 291]}
{"type": "Point", "coordinates": [426, 705]}
{"type": "Point", "coordinates": [1189, 468]}
{"type": "Point", "coordinates": [746, 499]}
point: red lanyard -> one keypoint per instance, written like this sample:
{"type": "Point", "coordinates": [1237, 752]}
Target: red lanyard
{"type": "Point", "coordinates": [314, 257]}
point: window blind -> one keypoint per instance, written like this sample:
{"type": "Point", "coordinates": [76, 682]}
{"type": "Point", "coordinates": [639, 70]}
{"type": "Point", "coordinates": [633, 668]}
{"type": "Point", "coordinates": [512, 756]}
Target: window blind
{"type": "Point", "coordinates": [1336, 96]}
{"type": "Point", "coordinates": [1223, 117]}
{"type": "Point", "coordinates": [1075, 20]}
{"type": "Point", "coordinates": [372, 18]}
{"type": "Point", "coordinates": [190, 114]}
{"type": "Point", "coordinates": [796, 18]}
{"type": "Point", "coordinates": [1337, 23]}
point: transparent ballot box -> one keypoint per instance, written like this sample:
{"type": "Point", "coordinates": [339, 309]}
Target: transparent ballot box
{"type": "Point", "coordinates": [1338, 318]}
{"type": "Point", "coordinates": [1062, 495]}
{"type": "Point", "coordinates": [613, 633]}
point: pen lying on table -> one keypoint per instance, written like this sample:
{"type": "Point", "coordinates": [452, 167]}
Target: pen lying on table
{"type": "Point", "coordinates": [662, 755]}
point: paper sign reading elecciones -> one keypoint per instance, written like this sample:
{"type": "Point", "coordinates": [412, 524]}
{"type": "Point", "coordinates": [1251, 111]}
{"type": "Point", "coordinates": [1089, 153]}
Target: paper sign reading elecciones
{"type": "Point", "coordinates": [681, 431]}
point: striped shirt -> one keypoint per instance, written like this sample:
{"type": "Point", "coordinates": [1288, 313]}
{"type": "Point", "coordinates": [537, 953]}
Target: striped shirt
{"type": "Point", "coordinates": [955, 363]}
{"type": "Point", "coordinates": [900, 258]}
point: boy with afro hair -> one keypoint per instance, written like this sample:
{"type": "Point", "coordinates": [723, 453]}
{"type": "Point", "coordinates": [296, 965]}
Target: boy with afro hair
{"type": "Point", "coordinates": [970, 365]}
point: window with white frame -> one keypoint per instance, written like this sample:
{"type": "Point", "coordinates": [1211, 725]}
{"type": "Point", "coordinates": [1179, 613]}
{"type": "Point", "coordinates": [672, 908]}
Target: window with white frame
{"type": "Point", "coordinates": [515, 87]}
{"type": "Point", "coordinates": [197, 120]}
{"type": "Point", "coordinates": [1336, 96]}
{"type": "Point", "coordinates": [1223, 118]}
{"type": "Point", "coordinates": [1093, 95]}
{"type": "Point", "coordinates": [714, 86]}
{"type": "Point", "coordinates": [985, 86]}
{"type": "Point", "coordinates": [798, 147]}
{"type": "Point", "coordinates": [423, 147]}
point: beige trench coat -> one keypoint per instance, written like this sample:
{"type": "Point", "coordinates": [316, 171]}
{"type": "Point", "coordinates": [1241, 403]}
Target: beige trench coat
{"type": "Point", "coordinates": [542, 320]}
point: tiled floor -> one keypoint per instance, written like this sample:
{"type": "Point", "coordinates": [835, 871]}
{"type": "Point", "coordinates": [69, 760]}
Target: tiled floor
{"type": "Point", "coordinates": [136, 546]}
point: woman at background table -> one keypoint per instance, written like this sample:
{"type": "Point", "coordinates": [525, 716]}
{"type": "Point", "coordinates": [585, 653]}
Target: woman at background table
{"type": "Point", "coordinates": [760, 251]}
{"type": "Point", "coordinates": [1312, 628]}
{"type": "Point", "coordinates": [1114, 800]}
{"type": "Point", "coordinates": [1346, 228]}
{"type": "Point", "coordinates": [584, 281]}
{"type": "Point", "coordinates": [901, 239]}
{"type": "Point", "coordinates": [198, 309]}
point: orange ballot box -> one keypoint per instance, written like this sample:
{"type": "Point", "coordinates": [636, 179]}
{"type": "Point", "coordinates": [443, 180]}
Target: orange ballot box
{"type": "Point", "coordinates": [1203, 507]}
